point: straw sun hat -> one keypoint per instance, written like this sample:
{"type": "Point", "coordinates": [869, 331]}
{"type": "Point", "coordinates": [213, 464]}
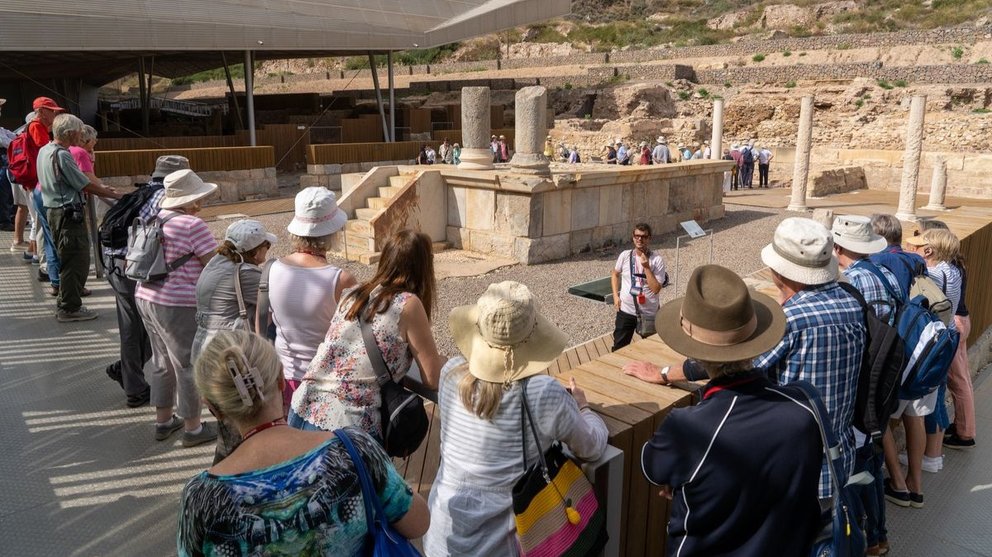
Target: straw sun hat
{"type": "Point", "coordinates": [503, 336]}
{"type": "Point", "coordinates": [720, 319]}
{"type": "Point", "coordinates": [184, 187]}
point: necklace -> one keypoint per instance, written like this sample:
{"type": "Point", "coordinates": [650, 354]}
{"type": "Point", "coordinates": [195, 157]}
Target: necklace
{"type": "Point", "coordinates": [317, 254]}
{"type": "Point", "coordinates": [262, 427]}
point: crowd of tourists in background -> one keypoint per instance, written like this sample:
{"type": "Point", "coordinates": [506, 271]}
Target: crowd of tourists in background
{"type": "Point", "coordinates": [309, 372]}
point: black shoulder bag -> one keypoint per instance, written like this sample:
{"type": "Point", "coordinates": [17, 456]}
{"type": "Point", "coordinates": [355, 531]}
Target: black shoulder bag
{"type": "Point", "coordinates": [402, 414]}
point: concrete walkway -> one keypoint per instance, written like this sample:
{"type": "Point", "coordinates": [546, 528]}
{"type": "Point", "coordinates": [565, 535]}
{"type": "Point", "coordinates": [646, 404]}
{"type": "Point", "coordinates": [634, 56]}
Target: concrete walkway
{"type": "Point", "coordinates": [80, 473]}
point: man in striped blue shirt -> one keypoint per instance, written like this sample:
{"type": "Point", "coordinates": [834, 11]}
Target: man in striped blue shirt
{"type": "Point", "coordinates": [825, 333]}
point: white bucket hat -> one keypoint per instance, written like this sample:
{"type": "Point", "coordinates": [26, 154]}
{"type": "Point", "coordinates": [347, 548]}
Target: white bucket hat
{"type": "Point", "coordinates": [854, 232]}
{"type": "Point", "coordinates": [183, 187]}
{"type": "Point", "coordinates": [802, 250]}
{"type": "Point", "coordinates": [660, 140]}
{"type": "Point", "coordinates": [167, 164]}
{"type": "Point", "coordinates": [504, 336]}
{"type": "Point", "coordinates": [247, 234]}
{"type": "Point", "coordinates": [317, 213]}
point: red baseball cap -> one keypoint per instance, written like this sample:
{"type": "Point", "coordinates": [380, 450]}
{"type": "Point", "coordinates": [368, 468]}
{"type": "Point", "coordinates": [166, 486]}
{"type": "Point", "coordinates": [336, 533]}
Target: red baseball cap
{"type": "Point", "coordinates": [45, 102]}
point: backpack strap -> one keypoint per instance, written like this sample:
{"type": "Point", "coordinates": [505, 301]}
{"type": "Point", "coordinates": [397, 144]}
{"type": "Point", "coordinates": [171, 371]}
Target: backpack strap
{"type": "Point", "coordinates": [873, 269]}
{"type": "Point", "coordinates": [262, 305]}
{"type": "Point", "coordinates": [831, 446]}
{"type": "Point", "coordinates": [182, 260]}
{"type": "Point", "coordinates": [242, 310]}
{"type": "Point", "coordinates": [382, 372]}
{"type": "Point", "coordinates": [857, 295]}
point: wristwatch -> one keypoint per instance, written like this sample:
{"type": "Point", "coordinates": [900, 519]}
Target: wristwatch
{"type": "Point", "coordinates": [664, 375]}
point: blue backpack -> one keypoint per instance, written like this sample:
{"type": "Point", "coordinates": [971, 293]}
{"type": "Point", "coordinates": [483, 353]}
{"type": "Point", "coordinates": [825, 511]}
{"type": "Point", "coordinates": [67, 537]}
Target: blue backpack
{"type": "Point", "coordinates": [930, 345]}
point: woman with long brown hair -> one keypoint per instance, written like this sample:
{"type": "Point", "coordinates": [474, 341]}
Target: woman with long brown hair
{"type": "Point", "coordinates": [340, 388]}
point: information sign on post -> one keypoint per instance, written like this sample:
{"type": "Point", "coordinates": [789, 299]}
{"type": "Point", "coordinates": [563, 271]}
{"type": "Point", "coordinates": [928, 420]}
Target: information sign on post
{"type": "Point", "coordinates": [693, 229]}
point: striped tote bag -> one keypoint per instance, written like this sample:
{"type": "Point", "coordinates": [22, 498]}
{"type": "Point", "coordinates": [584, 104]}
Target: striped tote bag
{"type": "Point", "coordinates": [554, 505]}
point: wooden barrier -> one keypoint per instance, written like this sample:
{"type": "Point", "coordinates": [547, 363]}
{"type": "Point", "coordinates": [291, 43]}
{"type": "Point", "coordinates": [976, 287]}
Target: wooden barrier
{"type": "Point", "coordinates": [290, 143]}
{"type": "Point", "coordinates": [976, 249]}
{"type": "Point", "coordinates": [348, 153]}
{"type": "Point", "coordinates": [142, 162]}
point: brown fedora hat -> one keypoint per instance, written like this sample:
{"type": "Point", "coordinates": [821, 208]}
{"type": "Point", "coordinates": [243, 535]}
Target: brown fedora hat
{"type": "Point", "coordinates": [720, 319]}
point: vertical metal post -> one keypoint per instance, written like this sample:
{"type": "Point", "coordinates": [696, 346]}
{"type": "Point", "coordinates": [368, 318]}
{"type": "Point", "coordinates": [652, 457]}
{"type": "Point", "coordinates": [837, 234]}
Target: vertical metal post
{"type": "Point", "coordinates": [230, 86]}
{"type": "Point", "coordinates": [378, 96]}
{"type": "Point", "coordinates": [143, 95]}
{"type": "Point", "coordinates": [250, 95]}
{"type": "Point", "coordinates": [392, 98]}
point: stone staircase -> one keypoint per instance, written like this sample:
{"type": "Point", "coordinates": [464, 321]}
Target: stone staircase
{"type": "Point", "coordinates": [359, 242]}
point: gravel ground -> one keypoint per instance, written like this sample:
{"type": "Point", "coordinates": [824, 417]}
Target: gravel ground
{"type": "Point", "coordinates": [738, 239]}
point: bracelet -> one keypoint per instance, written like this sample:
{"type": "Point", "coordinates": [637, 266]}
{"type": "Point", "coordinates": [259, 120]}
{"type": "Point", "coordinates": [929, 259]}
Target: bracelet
{"type": "Point", "coordinates": [664, 375]}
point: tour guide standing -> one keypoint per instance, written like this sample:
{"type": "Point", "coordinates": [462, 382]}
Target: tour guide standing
{"type": "Point", "coordinates": [637, 279]}
{"type": "Point", "coordinates": [742, 466]}
{"type": "Point", "coordinates": [62, 184]}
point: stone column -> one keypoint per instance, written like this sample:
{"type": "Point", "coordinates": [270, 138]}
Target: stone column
{"type": "Point", "coordinates": [938, 186]}
{"type": "Point", "coordinates": [804, 141]}
{"type": "Point", "coordinates": [530, 130]}
{"type": "Point", "coordinates": [476, 153]}
{"type": "Point", "coordinates": [911, 159]}
{"type": "Point", "coordinates": [716, 140]}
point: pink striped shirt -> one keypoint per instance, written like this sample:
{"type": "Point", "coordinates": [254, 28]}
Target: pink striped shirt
{"type": "Point", "coordinates": [183, 234]}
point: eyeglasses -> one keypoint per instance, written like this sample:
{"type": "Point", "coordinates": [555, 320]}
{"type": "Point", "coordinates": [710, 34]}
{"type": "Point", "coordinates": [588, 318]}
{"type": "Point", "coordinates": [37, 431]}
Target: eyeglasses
{"type": "Point", "coordinates": [642, 236]}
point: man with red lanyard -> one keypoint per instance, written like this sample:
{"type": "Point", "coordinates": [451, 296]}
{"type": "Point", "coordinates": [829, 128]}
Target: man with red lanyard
{"type": "Point", "coordinates": [637, 279]}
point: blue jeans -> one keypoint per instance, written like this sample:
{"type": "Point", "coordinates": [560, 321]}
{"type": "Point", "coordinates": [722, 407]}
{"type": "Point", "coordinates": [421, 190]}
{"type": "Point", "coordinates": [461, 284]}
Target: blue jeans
{"type": "Point", "coordinates": [50, 253]}
{"type": "Point", "coordinates": [299, 423]}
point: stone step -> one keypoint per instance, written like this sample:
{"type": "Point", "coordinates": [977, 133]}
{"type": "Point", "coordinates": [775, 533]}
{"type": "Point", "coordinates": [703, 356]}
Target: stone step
{"type": "Point", "coordinates": [377, 202]}
{"type": "Point", "coordinates": [358, 226]}
{"type": "Point", "coordinates": [399, 181]}
{"type": "Point", "coordinates": [359, 243]}
{"type": "Point", "coordinates": [388, 192]}
{"type": "Point", "coordinates": [366, 213]}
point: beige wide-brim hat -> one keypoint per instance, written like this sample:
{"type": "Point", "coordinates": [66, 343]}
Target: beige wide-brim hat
{"type": "Point", "coordinates": [184, 187]}
{"type": "Point", "coordinates": [802, 250]}
{"type": "Point", "coordinates": [854, 233]}
{"type": "Point", "coordinates": [503, 336]}
{"type": "Point", "coordinates": [720, 319]}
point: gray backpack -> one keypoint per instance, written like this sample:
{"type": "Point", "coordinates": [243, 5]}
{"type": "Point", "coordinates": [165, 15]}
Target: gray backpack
{"type": "Point", "coordinates": [145, 261]}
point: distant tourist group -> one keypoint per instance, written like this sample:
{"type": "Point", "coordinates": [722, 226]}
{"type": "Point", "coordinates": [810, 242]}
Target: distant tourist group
{"type": "Point", "coordinates": [309, 371]}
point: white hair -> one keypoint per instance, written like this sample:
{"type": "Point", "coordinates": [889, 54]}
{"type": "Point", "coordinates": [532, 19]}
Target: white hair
{"type": "Point", "coordinates": [65, 125]}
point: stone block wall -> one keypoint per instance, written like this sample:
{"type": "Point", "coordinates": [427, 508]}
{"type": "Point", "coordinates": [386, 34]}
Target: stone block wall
{"type": "Point", "coordinates": [945, 73]}
{"type": "Point", "coordinates": [573, 213]}
{"type": "Point", "coordinates": [233, 185]}
{"type": "Point", "coordinates": [826, 181]}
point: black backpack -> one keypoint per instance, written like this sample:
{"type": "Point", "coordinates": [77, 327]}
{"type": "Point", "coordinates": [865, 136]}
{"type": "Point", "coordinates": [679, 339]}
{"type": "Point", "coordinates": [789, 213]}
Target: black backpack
{"type": "Point", "coordinates": [117, 222]}
{"type": "Point", "coordinates": [882, 365]}
{"type": "Point", "coordinates": [747, 156]}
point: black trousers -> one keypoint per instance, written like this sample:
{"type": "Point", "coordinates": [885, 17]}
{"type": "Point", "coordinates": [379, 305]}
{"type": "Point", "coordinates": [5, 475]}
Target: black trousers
{"type": "Point", "coordinates": [623, 330]}
{"type": "Point", "coordinates": [762, 175]}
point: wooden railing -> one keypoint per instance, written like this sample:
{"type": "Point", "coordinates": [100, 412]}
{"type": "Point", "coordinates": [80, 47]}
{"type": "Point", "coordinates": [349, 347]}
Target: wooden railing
{"type": "Point", "coordinates": [290, 143]}
{"type": "Point", "coordinates": [975, 248]}
{"type": "Point", "coordinates": [142, 162]}
{"type": "Point", "coordinates": [348, 153]}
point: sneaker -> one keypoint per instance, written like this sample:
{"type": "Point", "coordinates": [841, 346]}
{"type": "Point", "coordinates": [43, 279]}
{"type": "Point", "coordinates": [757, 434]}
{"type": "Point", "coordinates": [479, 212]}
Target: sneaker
{"type": "Point", "coordinates": [35, 261]}
{"type": "Point", "coordinates": [915, 500]}
{"type": "Point", "coordinates": [137, 401]}
{"type": "Point", "coordinates": [20, 246]}
{"type": "Point", "coordinates": [82, 314]}
{"type": "Point", "coordinates": [207, 434]}
{"type": "Point", "coordinates": [950, 431]}
{"type": "Point", "coordinates": [43, 275]}
{"type": "Point", "coordinates": [28, 256]}
{"type": "Point", "coordinates": [54, 290]}
{"type": "Point", "coordinates": [900, 498]}
{"type": "Point", "coordinates": [955, 442]}
{"type": "Point", "coordinates": [932, 464]}
{"type": "Point", "coordinates": [114, 373]}
{"type": "Point", "coordinates": [162, 432]}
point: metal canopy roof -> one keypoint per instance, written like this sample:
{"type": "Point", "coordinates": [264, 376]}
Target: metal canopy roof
{"type": "Point", "coordinates": [100, 41]}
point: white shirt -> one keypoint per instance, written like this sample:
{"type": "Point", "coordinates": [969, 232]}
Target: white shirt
{"type": "Point", "coordinates": [657, 264]}
{"type": "Point", "coordinates": [481, 460]}
{"type": "Point", "coordinates": [764, 156]}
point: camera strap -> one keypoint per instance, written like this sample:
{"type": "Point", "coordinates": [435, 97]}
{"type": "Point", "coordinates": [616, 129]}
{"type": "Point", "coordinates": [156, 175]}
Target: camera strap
{"type": "Point", "coordinates": [57, 170]}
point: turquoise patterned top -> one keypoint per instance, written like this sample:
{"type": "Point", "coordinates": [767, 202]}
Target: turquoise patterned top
{"type": "Point", "coordinates": [310, 505]}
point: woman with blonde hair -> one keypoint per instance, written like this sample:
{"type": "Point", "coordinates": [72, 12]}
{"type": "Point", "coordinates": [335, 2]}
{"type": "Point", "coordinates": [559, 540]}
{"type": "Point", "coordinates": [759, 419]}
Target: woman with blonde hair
{"type": "Point", "coordinates": [282, 491]}
{"type": "Point", "coordinates": [168, 309]}
{"type": "Point", "coordinates": [508, 344]}
{"type": "Point", "coordinates": [340, 387]}
{"type": "Point", "coordinates": [303, 289]}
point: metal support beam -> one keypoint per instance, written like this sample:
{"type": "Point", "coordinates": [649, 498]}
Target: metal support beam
{"type": "Point", "coordinates": [250, 94]}
{"type": "Point", "coordinates": [143, 94]}
{"type": "Point", "coordinates": [392, 98]}
{"type": "Point", "coordinates": [378, 96]}
{"type": "Point", "coordinates": [230, 86]}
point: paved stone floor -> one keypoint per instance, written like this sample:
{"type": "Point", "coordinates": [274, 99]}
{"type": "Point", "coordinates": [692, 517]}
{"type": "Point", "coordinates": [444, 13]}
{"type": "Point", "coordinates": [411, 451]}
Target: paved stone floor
{"type": "Point", "coordinates": [80, 473]}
